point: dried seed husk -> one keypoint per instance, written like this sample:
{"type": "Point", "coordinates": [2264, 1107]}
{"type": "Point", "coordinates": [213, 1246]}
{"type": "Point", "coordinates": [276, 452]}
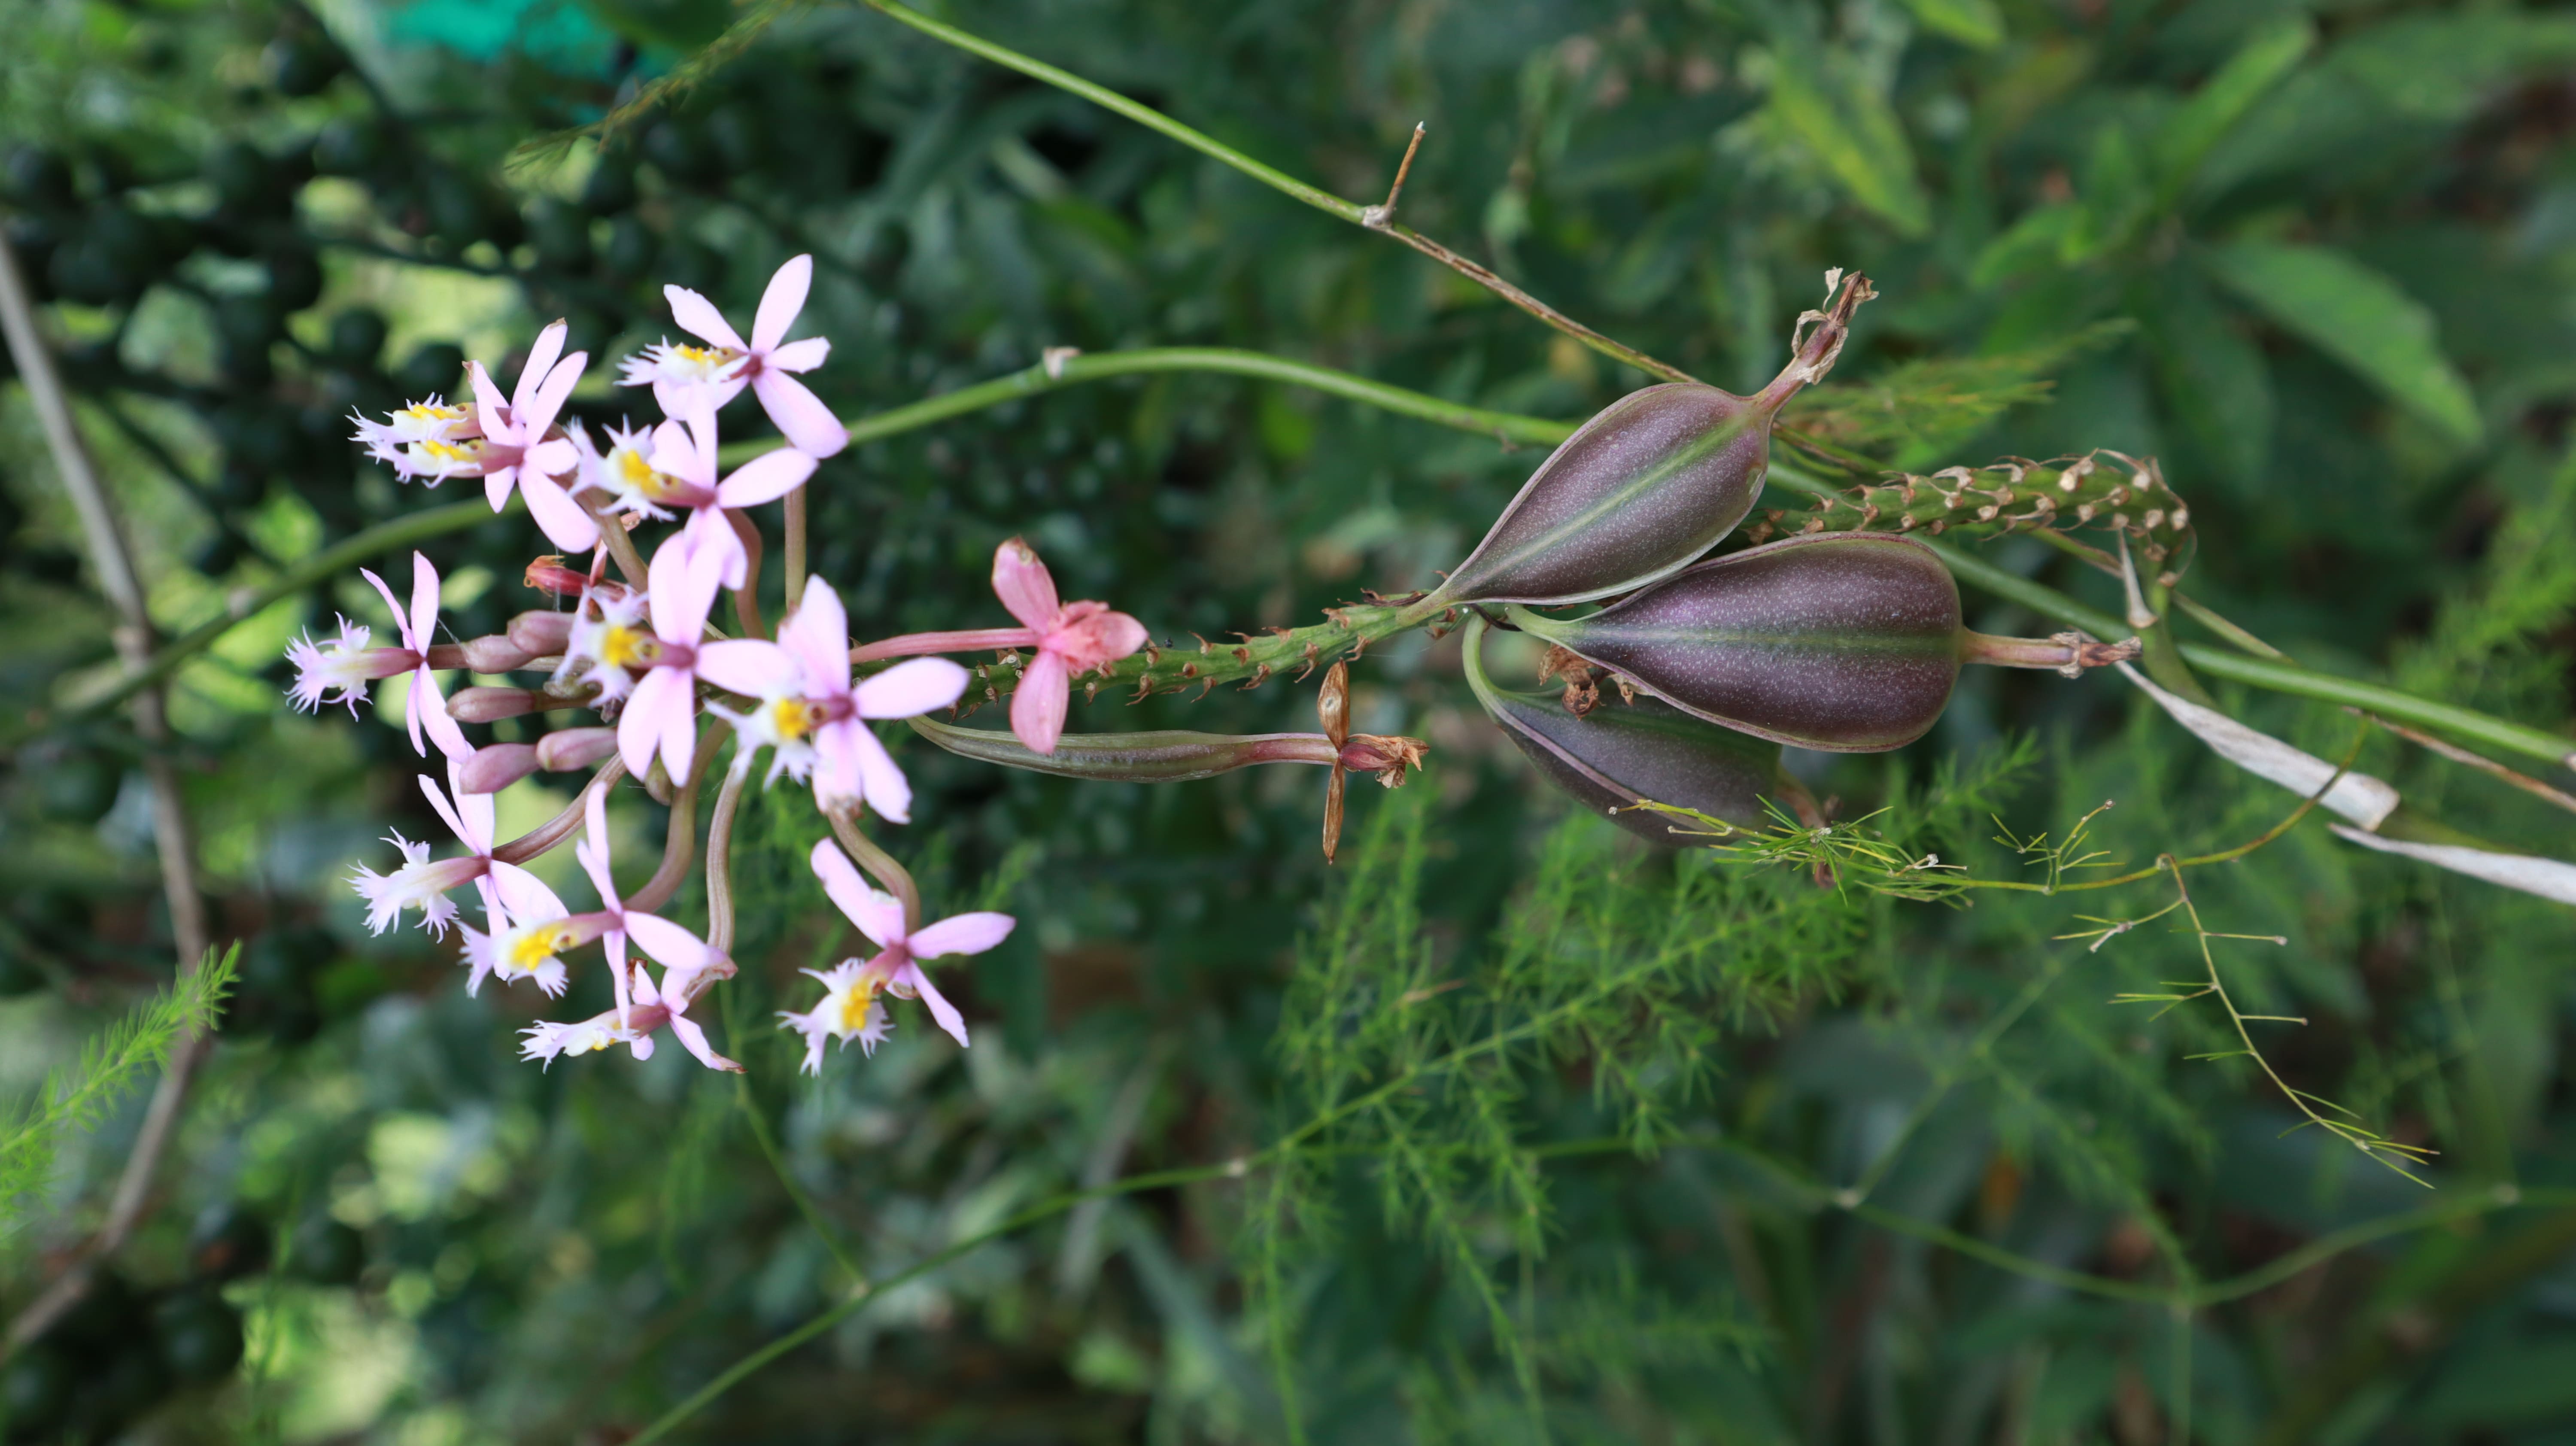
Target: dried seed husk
{"type": "Point", "coordinates": [1622, 752]}
{"type": "Point", "coordinates": [1847, 643]}
{"type": "Point", "coordinates": [1176, 756]}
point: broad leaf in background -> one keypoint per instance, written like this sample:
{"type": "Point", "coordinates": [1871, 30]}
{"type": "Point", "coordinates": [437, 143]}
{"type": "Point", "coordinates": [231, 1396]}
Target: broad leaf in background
{"type": "Point", "coordinates": [2214, 380]}
{"type": "Point", "coordinates": [2359, 318]}
{"type": "Point", "coordinates": [1830, 108]}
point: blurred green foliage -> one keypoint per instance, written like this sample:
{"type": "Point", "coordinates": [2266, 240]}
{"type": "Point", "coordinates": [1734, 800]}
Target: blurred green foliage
{"type": "Point", "coordinates": [1745, 1159]}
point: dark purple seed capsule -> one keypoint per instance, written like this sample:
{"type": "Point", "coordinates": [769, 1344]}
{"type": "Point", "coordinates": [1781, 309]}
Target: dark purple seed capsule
{"type": "Point", "coordinates": [1843, 642]}
{"type": "Point", "coordinates": [1621, 752]}
{"type": "Point", "coordinates": [1651, 482]}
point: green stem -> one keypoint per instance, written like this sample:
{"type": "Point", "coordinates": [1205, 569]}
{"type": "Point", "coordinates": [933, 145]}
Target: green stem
{"type": "Point", "coordinates": [321, 566]}
{"type": "Point", "coordinates": [1510, 427]}
{"type": "Point", "coordinates": [2265, 673]}
{"type": "Point", "coordinates": [860, 1295]}
{"type": "Point", "coordinates": [1374, 218]}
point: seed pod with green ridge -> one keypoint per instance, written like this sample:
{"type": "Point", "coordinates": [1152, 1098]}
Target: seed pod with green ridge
{"type": "Point", "coordinates": [1847, 642]}
{"type": "Point", "coordinates": [1176, 757]}
{"type": "Point", "coordinates": [1623, 752]}
{"type": "Point", "coordinates": [1651, 482]}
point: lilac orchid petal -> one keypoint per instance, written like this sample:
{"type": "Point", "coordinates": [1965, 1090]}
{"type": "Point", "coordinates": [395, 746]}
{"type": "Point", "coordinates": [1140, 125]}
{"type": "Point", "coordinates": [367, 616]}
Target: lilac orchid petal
{"type": "Point", "coordinates": [817, 635]}
{"type": "Point", "coordinates": [683, 952]}
{"type": "Point", "coordinates": [560, 518]}
{"type": "Point", "coordinates": [881, 782]}
{"type": "Point", "coordinates": [750, 667]}
{"type": "Point", "coordinates": [402, 622]}
{"type": "Point", "coordinates": [424, 602]}
{"type": "Point", "coordinates": [533, 376]}
{"type": "Point", "coordinates": [877, 913]}
{"type": "Point", "coordinates": [801, 416]}
{"type": "Point", "coordinates": [496, 486]}
{"type": "Point", "coordinates": [780, 303]}
{"type": "Point", "coordinates": [640, 728]}
{"type": "Point", "coordinates": [526, 896]}
{"type": "Point", "coordinates": [537, 413]}
{"type": "Point", "coordinates": [962, 934]}
{"type": "Point", "coordinates": [797, 356]}
{"type": "Point", "coordinates": [699, 317]}
{"type": "Point", "coordinates": [766, 478]}
{"type": "Point", "coordinates": [489, 407]}
{"type": "Point", "coordinates": [910, 688]}
{"type": "Point", "coordinates": [592, 850]}
{"type": "Point", "coordinates": [707, 531]}
{"type": "Point", "coordinates": [940, 1009]}
{"type": "Point", "coordinates": [429, 711]}
{"type": "Point", "coordinates": [694, 1040]}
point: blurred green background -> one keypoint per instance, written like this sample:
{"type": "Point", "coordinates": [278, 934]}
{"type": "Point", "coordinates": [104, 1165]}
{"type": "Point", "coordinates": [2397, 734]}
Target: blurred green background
{"type": "Point", "coordinates": [2334, 242]}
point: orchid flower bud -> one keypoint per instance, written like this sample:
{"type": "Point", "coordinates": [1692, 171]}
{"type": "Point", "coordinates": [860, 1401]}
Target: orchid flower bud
{"type": "Point", "coordinates": [1620, 753]}
{"type": "Point", "coordinates": [1845, 642]}
{"type": "Point", "coordinates": [541, 634]}
{"type": "Point", "coordinates": [490, 705]}
{"type": "Point", "coordinates": [571, 748]}
{"type": "Point", "coordinates": [1651, 482]}
{"type": "Point", "coordinates": [496, 766]}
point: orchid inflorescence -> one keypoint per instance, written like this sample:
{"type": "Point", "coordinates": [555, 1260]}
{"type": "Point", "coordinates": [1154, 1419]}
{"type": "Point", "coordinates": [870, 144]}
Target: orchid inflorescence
{"type": "Point", "coordinates": [643, 655]}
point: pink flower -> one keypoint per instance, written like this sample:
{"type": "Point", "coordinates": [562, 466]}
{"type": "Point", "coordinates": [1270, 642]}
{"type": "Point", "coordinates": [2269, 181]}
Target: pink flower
{"type": "Point", "coordinates": [423, 884]}
{"type": "Point", "coordinates": [680, 374]}
{"type": "Point", "coordinates": [343, 666]}
{"type": "Point", "coordinates": [1070, 639]}
{"type": "Point", "coordinates": [814, 718]}
{"type": "Point", "coordinates": [850, 1008]}
{"type": "Point", "coordinates": [609, 643]}
{"type": "Point", "coordinates": [675, 467]}
{"type": "Point", "coordinates": [661, 713]}
{"type": "Point", "coordinates": [684, 955]}
{"type": "Point", "coordinates": [530, 926]}
{"type": "Point", "coordinates": [654, 1009]}
{"type": "Point", "coordinates": [515, 446]}
{"type": "Point", "coordinates": [424, 708]}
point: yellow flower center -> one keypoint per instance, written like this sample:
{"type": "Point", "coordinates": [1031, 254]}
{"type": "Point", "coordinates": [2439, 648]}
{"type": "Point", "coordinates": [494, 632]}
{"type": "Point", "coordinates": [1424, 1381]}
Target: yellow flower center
{"type": "Point", "coordinates": [535, 947]}
{"type": "Point", "coordinates": [707, 359]}
{"type": "Point", "coordinates": [424, 412]}
{"type": "Point", "coordinates": [626, 647]}
{"type": "Point", "coordinates": [854, 1005]}
{"type": "Point", "coordinates": [465, 451]}
{"type": "Point", "coordinates": [794, 718]}
{"type": "Point", "coordinates": [638, 476]}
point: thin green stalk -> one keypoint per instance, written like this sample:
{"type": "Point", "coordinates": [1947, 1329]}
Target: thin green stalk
{"type": "Point", "coordinates": [861, 1294]}
{"type": "Point", "coordinates": [337, 558]}
{"type": "Point", "coordinates": [2265, 673]}
{"type": "Point", "coordinates": [1065, 371]}
{"type": "Point", "coordinates": [1380, 218]}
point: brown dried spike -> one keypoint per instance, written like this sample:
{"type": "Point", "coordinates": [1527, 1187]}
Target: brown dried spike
{"type": "Point", "coordinates": [1204, 685]}
{"type": "Point", "coordinates": [1205, 647]}
{"type": "Point", "coordinates": [1189, 671]}
{"type": "Point", "coordinates": [1260, 675]}
{"type": "Point", "coordinates": [1091, 690]}
{"type": "Point", "coordinates": [1153, 654]}
{"type": "Point", "coordinates": [1243, 655]}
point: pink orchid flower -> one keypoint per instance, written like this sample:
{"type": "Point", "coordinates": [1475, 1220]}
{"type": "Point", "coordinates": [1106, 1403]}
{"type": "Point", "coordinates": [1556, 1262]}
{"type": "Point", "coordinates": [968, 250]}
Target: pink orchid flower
{"type": "Point", "coordinates": [809, 712]}
{"type": "Point", "coordinates": [422, 883]}
{"type": "Point", "coordinates": [424, 708]}
{"type": "Point", "coordinates": [515, 447]}
{"type": "Point", "coordinates": [1070, 638]}
{"type": "Point", "coordinates": [654, 1009]}
{"type": "Point", "coordinates": [681, 374]}
{"type": "Point", "coordinates": [661, 714]}
{"type": "Point", "coordinates": [850, 1008]}
{"type": "Point", "coordinates": [682, 954]}
{"type": "Point", "coordinates": [337, 670]}
{"type": "Point", "coordinates": [530, 926]}
{"type": "Point", "coordinates": [674, 466]}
